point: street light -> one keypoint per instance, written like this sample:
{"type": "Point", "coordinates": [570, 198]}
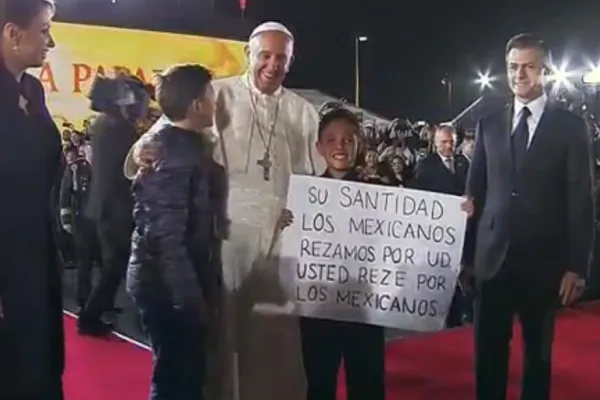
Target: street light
{"type": "Point", "coordinates": [560, 76]}
{"type": "Point", "coordinates": [484, 80]}
{"type": "Point", "coordinates": [357, 41]}
{"type": "Point", "coordinates": [592, 77]}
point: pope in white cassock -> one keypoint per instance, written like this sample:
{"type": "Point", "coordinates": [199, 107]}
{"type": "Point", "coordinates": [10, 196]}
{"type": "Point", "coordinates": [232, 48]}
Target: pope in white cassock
{"type": "Point", "coordinates": [263, 133]}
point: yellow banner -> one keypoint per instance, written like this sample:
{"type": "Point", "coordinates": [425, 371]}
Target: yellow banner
{"type": "Point", "coordinates": [84, 50]}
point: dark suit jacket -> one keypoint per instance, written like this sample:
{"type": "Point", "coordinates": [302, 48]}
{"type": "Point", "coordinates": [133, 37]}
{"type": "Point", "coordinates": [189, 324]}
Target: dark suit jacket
{"type": "Point", "coordinates": [110, 193]}
{"type": "Point", "coordinates": [31, 335]}
{"type": "Point", "coordinates": [432, 175]}
{"type": "Point", "coordinates": [173, 223]}
{"type": "Point", "coordinates": [545, 210]}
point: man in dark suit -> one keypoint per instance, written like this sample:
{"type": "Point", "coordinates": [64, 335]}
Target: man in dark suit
{"type": "Point", "coordinates": [110, 203]}
{"type": "Point", "coordinates": [443, 171]}
{"type": "Point", "coordinates": [110, 206]}
{"type": "Point", "coordinates": [530, 188]}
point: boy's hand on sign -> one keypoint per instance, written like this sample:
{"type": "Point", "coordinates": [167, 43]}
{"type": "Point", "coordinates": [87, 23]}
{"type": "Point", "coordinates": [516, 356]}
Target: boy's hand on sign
{"type": "Point", "coordinates": [285, 220]}
{"type": "Point", "coordinates": [468, 207]}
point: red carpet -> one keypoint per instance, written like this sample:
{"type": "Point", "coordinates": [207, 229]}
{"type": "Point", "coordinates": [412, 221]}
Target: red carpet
{"type": "Point", "coordinates": [104, 369]}
{"type": "Point", "coordinates": [429, 367]}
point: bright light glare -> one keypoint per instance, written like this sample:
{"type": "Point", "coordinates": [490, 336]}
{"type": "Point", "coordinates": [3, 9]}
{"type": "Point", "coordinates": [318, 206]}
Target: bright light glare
{"type": "Point", "coordinates": [362, 38]}
{"type": "Point", "coordinates": [592, 77]}
{"type": "Point", "coordinates": [484, 81]}
{"type": "Point", "coordinates": [560, 76]}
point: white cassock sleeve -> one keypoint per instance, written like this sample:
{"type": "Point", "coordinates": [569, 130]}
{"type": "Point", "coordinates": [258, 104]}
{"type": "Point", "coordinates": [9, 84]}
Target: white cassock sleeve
{"type": "Point", "coordinates": [130, 167]}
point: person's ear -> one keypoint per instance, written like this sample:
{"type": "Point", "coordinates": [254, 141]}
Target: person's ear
{"type": "Point", "coordinates": [247, 51]}
{"type": "Point", "coordinates": [291, 62]}
{"type": "Point", "coordinates": [357, 146]}
{"type": "Point", "coordinates": [320, 148]}
{"type": "Point", "coordinates": [13, 33]}
{"type": "Point", "coordinates": [199, 105]}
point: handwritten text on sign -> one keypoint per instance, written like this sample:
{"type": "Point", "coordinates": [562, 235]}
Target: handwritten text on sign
{"type": "Point", "coordinates": [373, 254]}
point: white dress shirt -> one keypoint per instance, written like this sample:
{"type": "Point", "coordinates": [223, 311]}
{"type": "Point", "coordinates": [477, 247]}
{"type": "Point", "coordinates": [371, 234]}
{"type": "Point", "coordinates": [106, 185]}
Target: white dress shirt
{"type": "Point", "coordinates": [536, 107]}
{"type": "Point", "coordinates": [448, 162]}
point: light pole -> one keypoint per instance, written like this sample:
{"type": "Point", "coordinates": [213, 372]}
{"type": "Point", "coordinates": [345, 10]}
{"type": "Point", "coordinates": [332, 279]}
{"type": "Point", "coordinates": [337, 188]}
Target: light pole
{"type": "Point", "coordinates": [357, 41]}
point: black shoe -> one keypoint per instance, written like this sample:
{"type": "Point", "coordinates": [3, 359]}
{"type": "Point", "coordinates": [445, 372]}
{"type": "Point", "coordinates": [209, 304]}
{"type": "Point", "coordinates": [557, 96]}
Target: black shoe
{"type": "Point", "coordinates": [110, 316]}
{"type": "Point", "coordinates": [115, 310]}
{"type": "Point", "coordinates": [93, 327]}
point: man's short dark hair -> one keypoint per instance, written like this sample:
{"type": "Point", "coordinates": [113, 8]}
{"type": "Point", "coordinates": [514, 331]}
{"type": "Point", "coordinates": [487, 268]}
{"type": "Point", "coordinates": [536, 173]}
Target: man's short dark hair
{"type": "Point", "coordinates": [337, 114]}
{"type": "Point", "coordinates": [179, 86]}
{"type": "Point", "coordinates": [526, 41]}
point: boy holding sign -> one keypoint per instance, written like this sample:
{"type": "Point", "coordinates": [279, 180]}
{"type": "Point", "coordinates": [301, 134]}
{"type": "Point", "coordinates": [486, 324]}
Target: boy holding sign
{"type": "Point", "coordinates": [326, 343]}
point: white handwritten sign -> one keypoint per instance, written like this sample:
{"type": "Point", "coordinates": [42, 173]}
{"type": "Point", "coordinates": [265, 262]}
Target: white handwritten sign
{"type": "Point", "coordinates": [373, 254]}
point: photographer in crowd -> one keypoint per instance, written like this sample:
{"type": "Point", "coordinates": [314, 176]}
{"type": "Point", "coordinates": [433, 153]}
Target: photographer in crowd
{"type": "Point", "coordinates": [121, 102]}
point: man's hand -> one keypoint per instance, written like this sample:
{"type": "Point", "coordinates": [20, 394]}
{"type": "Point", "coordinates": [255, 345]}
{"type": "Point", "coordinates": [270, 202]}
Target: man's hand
{"type": "Point", "coordinates": [68, 228]}
{"type": "Point", "coordinates": [144, 155]}
{"type": "Point", "coordinates": [571, 288]}
{"type": "Point", "coordinates": [468, 207]}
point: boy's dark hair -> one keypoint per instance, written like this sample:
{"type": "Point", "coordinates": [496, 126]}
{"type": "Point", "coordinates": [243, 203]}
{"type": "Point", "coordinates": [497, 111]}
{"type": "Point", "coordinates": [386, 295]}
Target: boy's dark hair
{"type": "Point", "coordinates": [334, 115]}
{"type": "Point", "coordinates": [178, 87]}
{"type": "Point", "coordinates": [22, 12]}
{"type": "Point", "coordinates": [526, 41]}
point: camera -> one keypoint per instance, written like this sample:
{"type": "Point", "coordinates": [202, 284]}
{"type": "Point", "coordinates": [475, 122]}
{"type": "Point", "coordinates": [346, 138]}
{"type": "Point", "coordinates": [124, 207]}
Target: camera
{"type": "Point", "coordinates": [124, 93]}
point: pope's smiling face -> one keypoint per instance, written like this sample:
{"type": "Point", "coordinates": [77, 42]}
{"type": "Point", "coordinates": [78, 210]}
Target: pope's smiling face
{"type": "Point", "coordinates": [269, 58]}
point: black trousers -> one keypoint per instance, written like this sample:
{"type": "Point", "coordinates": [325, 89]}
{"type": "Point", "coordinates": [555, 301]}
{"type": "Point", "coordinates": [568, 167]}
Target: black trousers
{"type": "Point", "coordinates": [326, 343]}
{"type": "Point", "coordinates": [512, 293]}
{"type": "Point", "coordinates": [85, 238]}
{"type": "Point", "coordinates": [115, 243]}
{"type": "Point", "coordinates": [455, 313]}
{"type": "Point", "coordinates": [179, 347]}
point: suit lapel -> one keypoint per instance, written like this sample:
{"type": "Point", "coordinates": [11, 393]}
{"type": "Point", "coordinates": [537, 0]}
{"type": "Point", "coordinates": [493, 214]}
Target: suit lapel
{"type": "Point", "coordinates": [461, 167]}
{"type": "Point", "coordinates": [444, 166]}
{"type": "Point", "coordinates": [505, 133]}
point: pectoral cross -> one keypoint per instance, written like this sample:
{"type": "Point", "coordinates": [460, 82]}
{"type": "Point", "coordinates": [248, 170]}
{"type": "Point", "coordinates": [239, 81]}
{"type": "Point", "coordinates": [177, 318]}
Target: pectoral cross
{"type": "Point", "coordinates": [266, 164]}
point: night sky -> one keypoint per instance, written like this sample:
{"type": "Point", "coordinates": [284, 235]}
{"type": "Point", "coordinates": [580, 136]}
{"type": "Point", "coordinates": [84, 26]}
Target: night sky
{"type": "Point", "coordinates": [411, 45]}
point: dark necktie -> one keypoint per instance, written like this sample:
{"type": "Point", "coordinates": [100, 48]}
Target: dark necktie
{"type": "Point", "coordinates": [449, 164]}
{"type": "Point", "coordinates": [520, 139]}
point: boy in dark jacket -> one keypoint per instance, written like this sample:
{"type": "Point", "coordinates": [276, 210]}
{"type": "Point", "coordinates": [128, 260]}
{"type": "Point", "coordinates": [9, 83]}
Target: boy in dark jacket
{"type": "Point", "coordinates": [171, 274]}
